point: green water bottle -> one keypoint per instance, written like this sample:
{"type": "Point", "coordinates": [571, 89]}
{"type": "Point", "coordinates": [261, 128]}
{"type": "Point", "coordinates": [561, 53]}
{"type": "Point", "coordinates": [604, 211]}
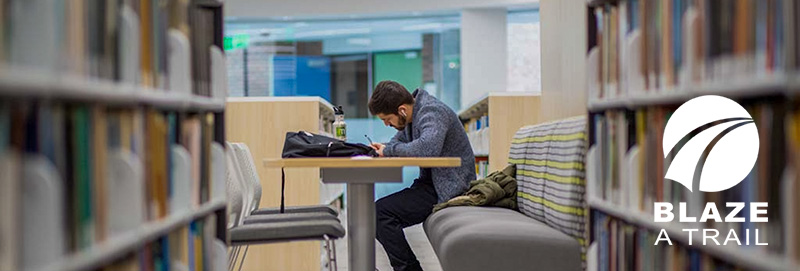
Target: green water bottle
{"type": "Point", "coordinates": [339, 126]}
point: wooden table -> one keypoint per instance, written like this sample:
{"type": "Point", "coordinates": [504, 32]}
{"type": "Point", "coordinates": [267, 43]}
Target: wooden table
{"type": "Point", "coordinates": [361, 174]}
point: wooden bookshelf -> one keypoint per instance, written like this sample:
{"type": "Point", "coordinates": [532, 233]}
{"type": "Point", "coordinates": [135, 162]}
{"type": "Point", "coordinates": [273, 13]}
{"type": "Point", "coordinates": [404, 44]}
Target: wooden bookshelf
{"type": "Point", "coordinates": [262, 124]}
{"type": "Point", "coordinates": [507, 111]}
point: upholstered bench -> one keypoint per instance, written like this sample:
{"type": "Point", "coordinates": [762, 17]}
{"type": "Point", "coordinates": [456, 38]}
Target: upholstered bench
{"type": "Point", "coordinates": [548, 232]}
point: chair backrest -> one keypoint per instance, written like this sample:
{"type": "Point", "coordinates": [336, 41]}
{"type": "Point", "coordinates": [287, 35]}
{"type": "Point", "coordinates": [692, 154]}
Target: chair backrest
{"type": "Point", "coordinates": [236, 199]}
{"type": "Point", "coordinates": [249, 173]}
{"type": "Point", "coordinates": [551, 174]}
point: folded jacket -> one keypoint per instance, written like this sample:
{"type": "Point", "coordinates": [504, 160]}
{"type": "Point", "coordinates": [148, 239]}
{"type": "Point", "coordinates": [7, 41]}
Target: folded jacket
{"type": "Point", "coordinates": [499, 189]}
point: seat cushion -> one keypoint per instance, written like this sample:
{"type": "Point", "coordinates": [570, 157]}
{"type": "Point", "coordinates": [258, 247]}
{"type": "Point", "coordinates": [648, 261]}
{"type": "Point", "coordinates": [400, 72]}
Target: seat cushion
{"type": "Point", "coordinates": [298, 209]}
{"type": "Point", "coordinates": [288, 217]}
{"type": "Point", "coordinates": [263, 233]}
{"type": "Point", "coordinates": [491, 238]}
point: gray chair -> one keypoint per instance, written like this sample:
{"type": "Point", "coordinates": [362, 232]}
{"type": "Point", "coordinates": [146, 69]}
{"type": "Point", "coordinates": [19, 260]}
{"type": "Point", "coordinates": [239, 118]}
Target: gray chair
{"type": "Point", "coordinates": [251, 229]}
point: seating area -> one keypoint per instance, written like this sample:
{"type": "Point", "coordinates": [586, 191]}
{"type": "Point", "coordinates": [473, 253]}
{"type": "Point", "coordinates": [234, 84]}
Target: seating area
{"type": "Point", "coordinates": [548, 232]}
{"type": "Point", "coordinates": [251, 225]}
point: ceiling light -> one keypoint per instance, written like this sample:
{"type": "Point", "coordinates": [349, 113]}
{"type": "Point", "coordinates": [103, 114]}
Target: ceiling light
{"type": "Point", "coordinates": [420, 27]}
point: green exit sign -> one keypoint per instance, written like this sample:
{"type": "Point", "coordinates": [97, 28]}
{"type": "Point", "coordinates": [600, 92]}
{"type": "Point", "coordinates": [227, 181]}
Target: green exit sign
{"type": "Point", "coordinates": [237, 41]}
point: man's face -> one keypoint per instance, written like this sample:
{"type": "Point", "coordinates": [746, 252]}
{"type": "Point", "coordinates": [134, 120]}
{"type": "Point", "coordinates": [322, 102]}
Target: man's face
{"type": "Point", "coordinates": [396, 121]}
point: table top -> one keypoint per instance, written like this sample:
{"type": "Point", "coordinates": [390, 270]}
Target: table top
{"type": "Point", "coordinates": [364, 162]}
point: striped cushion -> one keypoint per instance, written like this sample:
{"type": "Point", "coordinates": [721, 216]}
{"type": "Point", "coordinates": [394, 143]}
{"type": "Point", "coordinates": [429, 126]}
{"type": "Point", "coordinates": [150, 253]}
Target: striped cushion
{"type": "Point", "coordinates": [550, 174]}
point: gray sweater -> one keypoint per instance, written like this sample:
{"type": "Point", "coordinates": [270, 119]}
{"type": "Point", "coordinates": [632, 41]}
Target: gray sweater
{"type": "Point", "coordinates": [436, 131]}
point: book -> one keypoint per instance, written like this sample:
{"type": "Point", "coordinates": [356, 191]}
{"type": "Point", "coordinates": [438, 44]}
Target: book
{"type": "Point", "coordinates": [218, 172]}
{"type": "Point", "coordinates": [147, 72]}
{"type": "Point", "coordinates": [129, 263]}
{"type": "Point", "coordinates": [179, 249]}
{"type": "Point", "coordinates": [157, 171]}
{"type": "Point", "coordinates": [10, 203]}
{"type": "Point", "coordinates": [127, 211]}
{"type": "Point", "coordinates": [99, 156]}
{"type": "Point", "coordinates": [129, 51]}
{"type": "Point", "coordinates": [82, 177]}
{"type": "Point", "coordinates": [687, 43]}
{"type": "Point", "coordinates": [191, 140]}
{"type": "Point", "coordinates": [205, 164]}
{"type": "Point", "coordinates": [33, 34]}
{"type": "Point", "coordinates": [43, 237]}
{"type": "Point", "coordinates": [180, 172]}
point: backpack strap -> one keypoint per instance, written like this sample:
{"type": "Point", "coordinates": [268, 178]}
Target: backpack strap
{"type": "Point", "coordinates": [283, 188]}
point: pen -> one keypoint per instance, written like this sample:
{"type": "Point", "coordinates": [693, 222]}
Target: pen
{"type": "Point", "coordinates": [370, 140]}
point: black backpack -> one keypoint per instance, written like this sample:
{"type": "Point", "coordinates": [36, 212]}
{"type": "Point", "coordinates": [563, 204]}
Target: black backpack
{"type": "Point", "coordinates": [304, 144]}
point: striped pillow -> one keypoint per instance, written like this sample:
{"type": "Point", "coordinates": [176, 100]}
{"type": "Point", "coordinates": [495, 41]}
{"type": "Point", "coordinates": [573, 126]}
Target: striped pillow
{"type": "Point", "coordinates": [551, 176]}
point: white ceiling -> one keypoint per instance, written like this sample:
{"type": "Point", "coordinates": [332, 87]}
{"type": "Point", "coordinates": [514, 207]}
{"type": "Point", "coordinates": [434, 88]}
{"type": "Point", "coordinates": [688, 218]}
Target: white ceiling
{"type": "Point", "coordinates": [272, 30]}
{"type": "Point", "coordinates": [291, 10]}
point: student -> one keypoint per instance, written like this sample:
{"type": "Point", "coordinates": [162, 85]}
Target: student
{"type": "Point", "coordinates": [426, 128]}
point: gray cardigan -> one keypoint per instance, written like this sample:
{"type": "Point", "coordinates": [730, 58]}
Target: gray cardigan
{"type": "Point", "coordinates": [436, 131]}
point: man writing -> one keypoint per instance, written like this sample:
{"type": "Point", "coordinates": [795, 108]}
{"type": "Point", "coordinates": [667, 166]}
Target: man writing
{"type": "Point", "coordinates": [426, 128]}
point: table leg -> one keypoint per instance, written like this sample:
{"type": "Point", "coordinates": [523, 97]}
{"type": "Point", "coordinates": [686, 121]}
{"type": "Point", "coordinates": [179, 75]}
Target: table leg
{"type": "Point", "coordinates": [361, 226]}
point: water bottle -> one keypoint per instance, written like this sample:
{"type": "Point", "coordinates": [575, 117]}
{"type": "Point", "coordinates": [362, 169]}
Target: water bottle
{"type": "Point", "coordinates": [339, 126]}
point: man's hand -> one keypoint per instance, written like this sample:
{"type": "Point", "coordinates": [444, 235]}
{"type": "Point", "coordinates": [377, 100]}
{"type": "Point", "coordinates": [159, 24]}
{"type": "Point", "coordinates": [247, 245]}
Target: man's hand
{"type": "Point", "coordinates": [378, 148]}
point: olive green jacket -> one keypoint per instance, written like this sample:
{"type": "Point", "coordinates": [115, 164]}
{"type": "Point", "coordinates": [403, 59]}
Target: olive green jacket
{"type": "Point", "coordinates": [499, 189]}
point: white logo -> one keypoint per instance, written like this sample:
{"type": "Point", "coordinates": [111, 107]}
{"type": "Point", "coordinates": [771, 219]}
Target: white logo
{"type": "Point", "coordinates": [719, 127]}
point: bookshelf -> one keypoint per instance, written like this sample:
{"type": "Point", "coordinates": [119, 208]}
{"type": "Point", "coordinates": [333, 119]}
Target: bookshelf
{"type": "Point", "coordinates": [640, 70]}
{"type": "Point", "coordinates": [112, 135]}
{"type": "Point", "coordinates": [118, 247]}
{"type": "Point", "coordinates": [491, 142]}
{"type": "Point", "coordinates": [262, 124]}
{"type": "Point", "coordinates": [16, 83]}
{"type": "Point", "coordinates": [750, 259]}
{"type": "Point", "coordinates": [776, 85]}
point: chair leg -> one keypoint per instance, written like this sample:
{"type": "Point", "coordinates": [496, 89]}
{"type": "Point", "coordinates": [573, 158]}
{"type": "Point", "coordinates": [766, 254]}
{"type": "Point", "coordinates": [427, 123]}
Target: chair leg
{"type": "Point", "coordinates": [241, 264]}
{"type": "Point", "coordinates": [334, 261]}
{"type": "Point", "coordinates": [330, 249]}
{"type": "Point", "coordinates": [236, 257]}
{"type": "Point", "coordinates": [232, 254]}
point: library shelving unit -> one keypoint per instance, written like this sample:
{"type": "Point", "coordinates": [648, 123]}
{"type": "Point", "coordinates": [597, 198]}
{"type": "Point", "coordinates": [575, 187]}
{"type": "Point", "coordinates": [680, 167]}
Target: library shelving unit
{"type": "Point", "coordinates": [112, 146]}
{"type": "Point", "coordinates": [647, 58]}
{"type": "Point", "coordinates": [500, 115]}
{"type": "Point", "coordinates": [752, 260]}
{"type": "Point", "coordinates": [262, 124]}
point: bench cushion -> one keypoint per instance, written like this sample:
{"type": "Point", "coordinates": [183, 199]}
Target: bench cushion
{"type": "Point", "coordinates": [491, 238]}
{"type": "Point", "coordinates": [550, 174]}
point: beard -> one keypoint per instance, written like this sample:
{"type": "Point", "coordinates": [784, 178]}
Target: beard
{"type": "Point", "coordinates": [401, 124]}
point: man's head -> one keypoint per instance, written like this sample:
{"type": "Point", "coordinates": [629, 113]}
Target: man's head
{"type": "Point", "coordinates": [392, 103]}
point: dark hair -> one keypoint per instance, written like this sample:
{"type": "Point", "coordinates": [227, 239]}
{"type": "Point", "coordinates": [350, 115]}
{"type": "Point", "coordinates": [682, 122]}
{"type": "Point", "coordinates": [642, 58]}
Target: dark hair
{"type": "Point", "coordinates": [387, 97]}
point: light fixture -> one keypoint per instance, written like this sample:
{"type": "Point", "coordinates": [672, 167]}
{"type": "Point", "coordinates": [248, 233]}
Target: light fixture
{"type": "Point", "coordinates": [420, 27]}
{"type": "Point", "coordinates": [360, 41]}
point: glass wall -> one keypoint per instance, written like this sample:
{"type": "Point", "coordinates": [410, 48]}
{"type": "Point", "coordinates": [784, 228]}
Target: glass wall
{"type": "Point", "coordinates": [342, 60]}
